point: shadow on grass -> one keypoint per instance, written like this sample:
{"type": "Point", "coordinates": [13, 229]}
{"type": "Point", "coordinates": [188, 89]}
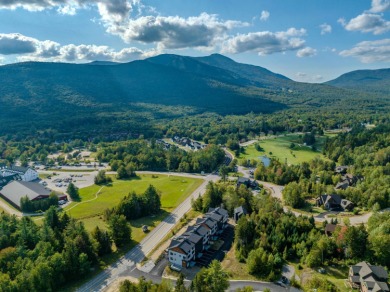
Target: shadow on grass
{"type": "Point", "coordinates": [151, 221]}
{"type": "Point", "coordinates": [137, 177]}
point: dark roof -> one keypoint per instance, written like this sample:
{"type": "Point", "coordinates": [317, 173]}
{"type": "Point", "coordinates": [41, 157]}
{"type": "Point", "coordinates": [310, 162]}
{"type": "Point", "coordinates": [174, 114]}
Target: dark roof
{"type": "Point", "coordinates": [342, 185]}
{"type": "Point", "coordinates": [330, 228]}
{"type": "Point", "coordinates": [182, 243]}
{"type": "Point", "coordinates": [240, 211]}
{"type": "Point", "coordinates": [372, 276]}
{"type": "Point", "coordinates": [16, 190]}
{"type": "Point", "coordinates": [199, 229]}
{"type": "Point", "coordinates": [243, 180]}
{"type": "Point", "coordinates": [6, 179]}
{"type": "Point", "coordinates": [214, 216]}
{"type": "Point", "coordinates": [194, 238]}
{"type": "Point", "coordinates": [19, 168]}
{"type": "Point", "coordinates": [345, 203]}
{"type": "Point", "coordinates": [186, 246]}
{"type": "Point", "coordinates": [219, 211]}
{"type": "Point", "coordinates": [210, 223]}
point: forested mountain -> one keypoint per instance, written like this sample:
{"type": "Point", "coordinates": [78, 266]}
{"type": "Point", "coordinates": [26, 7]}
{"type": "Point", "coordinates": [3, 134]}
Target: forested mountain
{"type": "Point", "coordinates": [115, 97]}
{"type": "Point", "coordinates": [377, 81]}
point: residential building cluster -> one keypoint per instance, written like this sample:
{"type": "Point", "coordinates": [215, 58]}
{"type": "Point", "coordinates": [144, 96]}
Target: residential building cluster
{"type": "Point", "coordinates": [185, 249]}
{"type": "Point", "coordinates": [187, 142]}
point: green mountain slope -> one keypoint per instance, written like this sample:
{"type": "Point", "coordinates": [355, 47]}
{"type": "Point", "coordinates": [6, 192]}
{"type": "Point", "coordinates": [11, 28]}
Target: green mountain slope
{"type": "Point", "coordinates": [130, 97]}
{"type": "Point", "coordinates": [373, 81]}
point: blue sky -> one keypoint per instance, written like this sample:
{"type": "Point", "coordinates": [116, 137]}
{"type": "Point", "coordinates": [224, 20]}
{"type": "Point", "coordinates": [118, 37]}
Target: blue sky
{"type": "Point", "coordinates": [306, 40]}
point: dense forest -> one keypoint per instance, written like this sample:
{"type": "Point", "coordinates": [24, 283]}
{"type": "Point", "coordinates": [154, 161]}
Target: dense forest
{"type": "Point", "coordinates": [140, 155]}
{"type": "Point", "coordinates": [123, 101]}
{"type": "Point", "coordinates": [269, 237]}
{"type": "Point", "coordinates": [366, 152]}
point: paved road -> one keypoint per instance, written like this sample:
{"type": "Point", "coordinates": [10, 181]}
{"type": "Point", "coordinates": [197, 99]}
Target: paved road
{"type": "Point", "coordinates": [127, 263]}
{"type": "Point", "coordinates": [259, 286]}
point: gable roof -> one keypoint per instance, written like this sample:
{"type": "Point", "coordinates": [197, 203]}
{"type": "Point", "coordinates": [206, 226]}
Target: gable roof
{"type": "Point", "coordinates": [219, 211]}
{"type": "Point", "coordinates": [183, 244]}
{"type": "Point", "coordinates": [240, 211]}
{"type": "Point", "coordinates": [214, 216]}
{"type": "Point", "coordinates": [373, 277]}
{"type": "Point", "coordinates": [16, 190]}
{"type": "Point", "coordinates": [192, 237]}
{"type": "Point", "coordinates": [207, 221]}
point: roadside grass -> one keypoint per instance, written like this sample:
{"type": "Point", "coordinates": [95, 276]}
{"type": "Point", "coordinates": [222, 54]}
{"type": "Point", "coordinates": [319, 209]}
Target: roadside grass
{"type": "Point", "coordinates": [235, 269]}
{"type": "Point", "coordinates": [280, 149]}
{"type": "Point", "coordinates": [8, 204]}
{"type": "Point", "coordinates": [335, 274]}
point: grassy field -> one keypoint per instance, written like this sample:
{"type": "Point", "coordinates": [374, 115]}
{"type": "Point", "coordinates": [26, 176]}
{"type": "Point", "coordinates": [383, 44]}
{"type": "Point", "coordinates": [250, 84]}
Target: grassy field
{"type": "Point", "coordinates": [236, 270]}
{"type": "Point", "coordinates": [280, 149]}
{"type": "Point", "coordinates": [174, 190]}
{"type": "Point", "coordinates": [95, 199]}
{"type": "Point", "coordinates": [335, 275]}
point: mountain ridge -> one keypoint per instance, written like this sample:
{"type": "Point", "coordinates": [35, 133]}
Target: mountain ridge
{"type": "Point", "coordinates": [62, 94]}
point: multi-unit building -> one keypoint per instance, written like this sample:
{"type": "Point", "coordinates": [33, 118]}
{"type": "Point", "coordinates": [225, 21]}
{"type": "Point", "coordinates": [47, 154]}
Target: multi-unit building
{"type": "Point", "coordinates": [185, 249]}
{"type": "Point", "coordinates": [367, 277]}
{"type": "Point", "coordinates": [19, 173]}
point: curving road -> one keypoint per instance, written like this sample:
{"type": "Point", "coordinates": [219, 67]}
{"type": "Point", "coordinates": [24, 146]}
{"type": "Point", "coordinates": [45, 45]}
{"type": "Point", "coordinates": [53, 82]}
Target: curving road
{"type": "Point", "coordinates": [128, 262]}
{"type": "Point", "coordinates": [276, 191]}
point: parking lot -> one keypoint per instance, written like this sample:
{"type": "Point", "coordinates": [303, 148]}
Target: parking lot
{"type": "Point", "coordinates": [59, 181]}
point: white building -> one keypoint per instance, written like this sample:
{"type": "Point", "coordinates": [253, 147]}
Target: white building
{"type": "Point", "coordinates": [181, 253]}
{"type": "Point", "coordinates": [24, 173]}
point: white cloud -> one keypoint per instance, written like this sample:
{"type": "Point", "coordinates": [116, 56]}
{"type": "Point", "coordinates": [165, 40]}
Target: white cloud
{"type": "Point", "coordinates": [301, 74]}
{"type": "Point", "coordinates": [370, 51]}
{"type": "Point", "coordinates": [318, 77]}
{"type": "Point", "coordinates": [2, 60]}
{"type": "Point", "coordinates": [73, 53]}
{"type": "Point", "coordinates": [378, 6]}
{"type": "Point", "coordinates": [306, 52]}
{"type": "Point", "coordinates": [174, 32]}
{"type": "Point", "coordinates": [114, 10]}
{"type": "Point", "coordinates": [266, 42]}
{"type": "Point", "coordinates": [31, 49]}
{"type": "Point", "coordinates": [367, 22]}
{"type": "Point", "coordinates": [264, 15]}
{"type": "Point", "coordinates": [15, 43]}
{"type": "Point", "coordinates": [325, 28]}
{"type": "Point", "coordinates": [109, 10]}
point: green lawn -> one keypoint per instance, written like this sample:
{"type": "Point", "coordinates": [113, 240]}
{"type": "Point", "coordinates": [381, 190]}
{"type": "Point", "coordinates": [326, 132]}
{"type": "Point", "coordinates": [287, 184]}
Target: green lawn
{"type": "Point", "coordinates": [280, 149]}
{"type": "Point", "coordinates": [336, 275]}
{"type": "Point", "coordinates": [8, 204]}
{"type": "Point", "coordinates": [95, 199]}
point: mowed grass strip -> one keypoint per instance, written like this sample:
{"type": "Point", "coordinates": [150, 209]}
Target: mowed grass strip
{"type": "Point", "coordinates": [280, 148]}
{"type": "Point", "coordinates": [95, 199]}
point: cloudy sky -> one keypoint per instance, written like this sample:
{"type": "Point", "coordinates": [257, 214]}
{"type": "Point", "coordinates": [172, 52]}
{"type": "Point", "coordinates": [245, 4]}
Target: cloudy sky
{"type": "Point", "coordinates": [306, 40]}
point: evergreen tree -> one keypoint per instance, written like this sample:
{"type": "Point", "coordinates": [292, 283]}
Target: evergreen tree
{"type": "Point", "coordinates": [73, 192]}
{"type": "Point", "coordinates": [103, 241]}
{"type": "Point", "coordinates": [119, 229]}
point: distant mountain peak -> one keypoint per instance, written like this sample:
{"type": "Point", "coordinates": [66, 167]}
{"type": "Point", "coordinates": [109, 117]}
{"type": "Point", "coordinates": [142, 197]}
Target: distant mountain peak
{"type": "Point", "coordinates": [103, 63]}
{"type": "Point", "coordinates": [365, 80]}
